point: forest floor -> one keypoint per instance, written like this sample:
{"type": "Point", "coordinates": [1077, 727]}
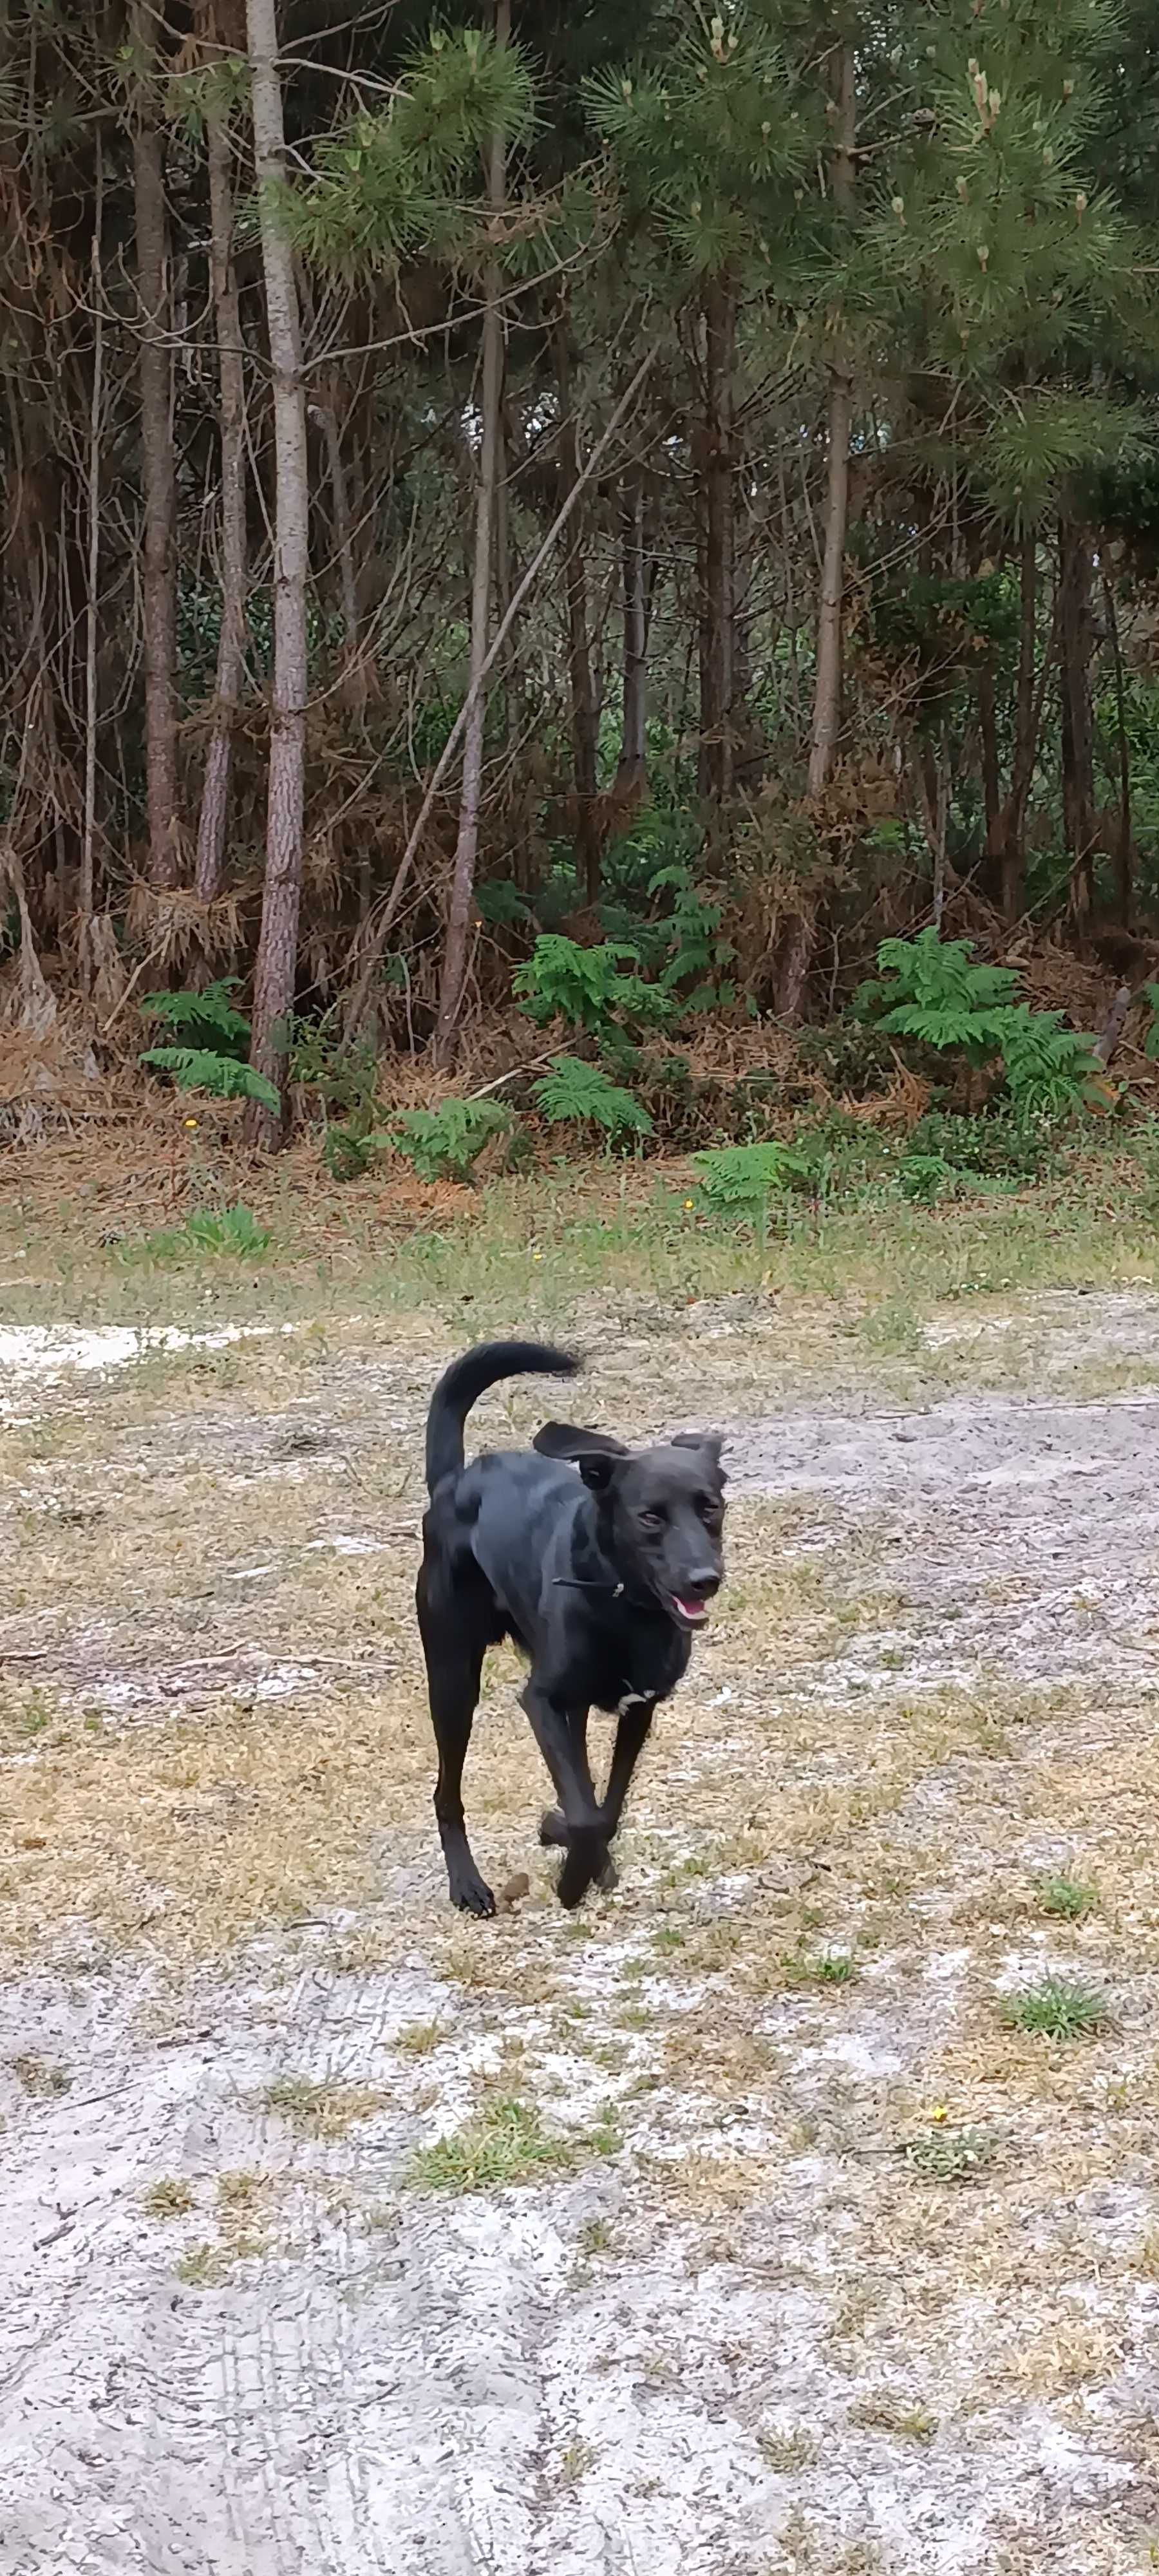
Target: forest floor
{"type": "Point", "coordinates": [733, 2227]}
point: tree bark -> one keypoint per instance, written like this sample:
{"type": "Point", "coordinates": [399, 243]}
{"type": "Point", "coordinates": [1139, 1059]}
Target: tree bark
{"type": "Point", "coordinates": [1124, 873]}
{"type": "Point", "coordinates": [715, 763]}
{"type": "Point", "coordinates": [830, 620]}
{"type": "Point", "coordinates": [1077, 731]}
{"type": "Point", "coordinates": [454, 973]}
{"type": "Point", "coordinates": [276, 973]}
{"type": "Point", "coordinates": [797, 946]}
{"type": "Point", "coordinates": [631, 768]}
{"type": "Point", "coordinates": [1005, 832]}
{"type": "Point", "coordinates": [159, 583]}
{"type": "Point", "coordinates": [86, 889]}
{"type": "Point", "coordinates": [585, 714]}
{"type": "Point", "coordinates": [213, 822]}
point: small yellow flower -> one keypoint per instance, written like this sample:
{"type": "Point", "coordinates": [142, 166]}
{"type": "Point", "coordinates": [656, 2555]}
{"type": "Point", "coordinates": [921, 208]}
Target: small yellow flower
{"type": "Point", "coordinates": [939, 2113]}
{"type": "Point", "coordinates": [191, 1122]}
{"type": "Point", "coordinates": [690, 1202]}
{"type": "Point", "coordinates": [537, 1256]}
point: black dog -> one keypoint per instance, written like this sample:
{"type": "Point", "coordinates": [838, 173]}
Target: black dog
{"type": "Point", "coordinates": [599, 1578]}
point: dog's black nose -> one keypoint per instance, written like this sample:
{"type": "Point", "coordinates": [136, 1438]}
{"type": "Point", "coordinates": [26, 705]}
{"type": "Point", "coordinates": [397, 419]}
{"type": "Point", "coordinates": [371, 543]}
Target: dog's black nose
{"type": "Point", "coordinates": [703, 1583]}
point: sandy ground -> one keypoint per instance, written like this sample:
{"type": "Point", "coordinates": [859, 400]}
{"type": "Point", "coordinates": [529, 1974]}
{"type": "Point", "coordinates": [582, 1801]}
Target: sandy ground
{"type": "Point", "coordinates": [760, 2240]}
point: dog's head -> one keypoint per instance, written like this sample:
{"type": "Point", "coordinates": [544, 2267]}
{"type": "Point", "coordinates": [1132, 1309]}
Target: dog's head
{"type": "Point", "coordinates": [661, 1512]}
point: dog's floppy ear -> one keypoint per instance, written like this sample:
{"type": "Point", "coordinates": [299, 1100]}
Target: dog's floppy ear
{"type": "Point", "coordinates": [561, 1440]}
{"type": "Point", "coordinates": [595, 1453]}
{"type": "Point", "coordinates": [710, 1443]}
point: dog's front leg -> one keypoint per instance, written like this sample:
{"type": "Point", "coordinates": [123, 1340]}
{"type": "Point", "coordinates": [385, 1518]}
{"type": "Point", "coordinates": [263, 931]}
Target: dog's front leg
{"type": "Point", "coordinates": [561, 1735]}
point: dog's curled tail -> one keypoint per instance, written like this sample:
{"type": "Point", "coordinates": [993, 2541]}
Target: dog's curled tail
{"type": "Point", "coordinates": [467, 1379]}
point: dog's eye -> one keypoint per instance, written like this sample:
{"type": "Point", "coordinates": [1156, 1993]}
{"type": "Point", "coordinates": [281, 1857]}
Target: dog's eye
{"type": "Point", "coordinates": [652, 1520]}
{"type": "Point", "coordinates": [709, 1509]}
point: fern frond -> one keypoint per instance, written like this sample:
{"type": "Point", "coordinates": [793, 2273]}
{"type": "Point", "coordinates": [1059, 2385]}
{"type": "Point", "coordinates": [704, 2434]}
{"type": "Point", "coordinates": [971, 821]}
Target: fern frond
{"type": "Point", "coordinates": [574, 1091]}
{"type": "Point", "coordinates": [192, 1015]}
{"type": "Point", "coordinates": [198, 1069]}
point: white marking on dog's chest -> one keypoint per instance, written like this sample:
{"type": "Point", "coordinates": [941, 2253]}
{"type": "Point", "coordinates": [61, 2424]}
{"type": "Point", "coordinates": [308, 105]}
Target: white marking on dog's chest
{"type": "Point", "coordinates": [634, 1699]}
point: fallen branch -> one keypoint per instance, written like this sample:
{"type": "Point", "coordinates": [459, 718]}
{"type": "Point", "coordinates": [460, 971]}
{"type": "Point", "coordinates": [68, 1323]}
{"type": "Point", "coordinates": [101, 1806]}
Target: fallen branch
{"type": "Point", "coordinates": [361, 994]}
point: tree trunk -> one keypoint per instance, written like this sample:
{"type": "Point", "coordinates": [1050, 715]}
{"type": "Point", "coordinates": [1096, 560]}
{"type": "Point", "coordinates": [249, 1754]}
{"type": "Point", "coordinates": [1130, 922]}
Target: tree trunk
{"type": "Point", "coordinates": [631, 768]}
{"type": "Point", "coordinates": [213, 822]}
{"type": "Point", "coordinates": [159, 585]}
{"type": "Point", "coordinates": [354, 690]}
{"type": "Point", "coordinates": [715, 762]}
{"type": "Point", "coordinates": [827, 691]}
{"type": "Point", "coordinates": [1124, 873]}
{"type": "Point", "coordinates": [86, 890]}
{"type": "Point", "coordinates": [1077, 732]}
{"type": "Point", "coordinates": [1004, 836]}
{"type": "Point", "coordinates": [988, 735]}
{"type": "Point", "coordinates": [275, 978]}
{"type": "Point", "coordinates": [585, 714]}
{"type": "Point", "coordinates": [454, 974]}
{"type": "Point", "coordinates": [797, 947]}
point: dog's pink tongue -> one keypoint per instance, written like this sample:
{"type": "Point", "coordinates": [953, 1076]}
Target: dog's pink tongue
{"type": "Point", "coordinates": [689, 1609]}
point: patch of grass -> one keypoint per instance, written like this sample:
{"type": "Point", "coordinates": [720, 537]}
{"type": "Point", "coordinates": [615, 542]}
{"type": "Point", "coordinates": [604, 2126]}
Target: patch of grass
{"type": "Point", "coordinates": [823, 1968]}
{"type": "Point", "coordinates": [322, 2109]}
{"type": "Point", "coordinates": [1058, 1893]}
{"type": "Point", "coordinates": [893, 1330]}
{"type": "Point", "coordinates": [200, 2265]}
{"type": "Point", "coordinates": [233, 1230]}
{"type": "Point", "coordinates": [238, 2193]}
{"type": "Point", "coordinates": [785, 2452]}
{"type": "Point", "coordinates": [950, 2155]}
{"type": "Point", "coordinates": [595, 2237]}
{"type": "Point", "coordinates": [884, 2413]}
{"type": "Point", "coordinates": [170, 2197]}
{"type": "Point", "coordinates": [418, 2038]}
{"type": "Point", "coordinates": [1057, 2009]}
{"type": "Point", "coordinates": [42, 2080]}
{"type": "Point", "coordinates": [505, 2143]}
{"type": "Point", "coordinates": [576, 2459]}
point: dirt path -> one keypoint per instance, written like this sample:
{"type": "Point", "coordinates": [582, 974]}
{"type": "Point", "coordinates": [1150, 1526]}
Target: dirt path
{"type": "Point", "coordinates": [761, 2241]}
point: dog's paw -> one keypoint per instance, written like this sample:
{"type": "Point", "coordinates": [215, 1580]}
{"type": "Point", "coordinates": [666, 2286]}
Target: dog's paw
{"type": "Point", "coordinates": [552, 1829]}
{"type": "Point", "coordinates": [587, 1860]}
{"type": "Point", "coordinates": [471, 1894]}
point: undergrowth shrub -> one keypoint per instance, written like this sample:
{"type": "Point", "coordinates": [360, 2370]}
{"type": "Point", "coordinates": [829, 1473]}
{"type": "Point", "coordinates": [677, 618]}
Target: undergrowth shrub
{"type": "Point", "coordinates": [740, 1180]}
{"type": "Point", "coordinates": [934, 990]}
{"type": "Point", "coordinates": [210, 1044]}
{"type": "Point", "coordinates": [444, 1144]}
{"type": "Point", "coordinates": [234, 1230]}
{"type": "Point", "coordinates": [584, 1095]}
{"type": "Point", "coordinates": [1001, 1144]}
{"type": "Point", "coordinates": [588, 987]}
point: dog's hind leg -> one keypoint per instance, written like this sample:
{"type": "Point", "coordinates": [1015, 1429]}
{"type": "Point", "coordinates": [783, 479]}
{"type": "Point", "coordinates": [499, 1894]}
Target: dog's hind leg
{"type": "Point", "coordinates": [455, 1635]}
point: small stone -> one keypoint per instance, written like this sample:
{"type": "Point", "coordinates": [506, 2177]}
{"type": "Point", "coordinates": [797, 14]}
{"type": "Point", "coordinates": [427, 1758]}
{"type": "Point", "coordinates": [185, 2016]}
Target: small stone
{"type": "Point", "coordinates": [514, 1889]}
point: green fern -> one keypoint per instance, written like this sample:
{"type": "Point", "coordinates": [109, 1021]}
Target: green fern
{"type": "Point", "coordinates": [206, 1020]}
{"type": "Point", "coordinates": [198, 1069]}
{"type": "Point", "coordinates": [443, 1144]}
{"type": "Point", "coordinates": [574, 1092]}
{"type": "Point", "coordinates": [1048, 1067]}
{"type": "Point", "coordinates": [935, 990]}
{"type": "Point", "coordinates": [739, 1180]}
{"type": "Point", "coordinates": [588, 986]}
